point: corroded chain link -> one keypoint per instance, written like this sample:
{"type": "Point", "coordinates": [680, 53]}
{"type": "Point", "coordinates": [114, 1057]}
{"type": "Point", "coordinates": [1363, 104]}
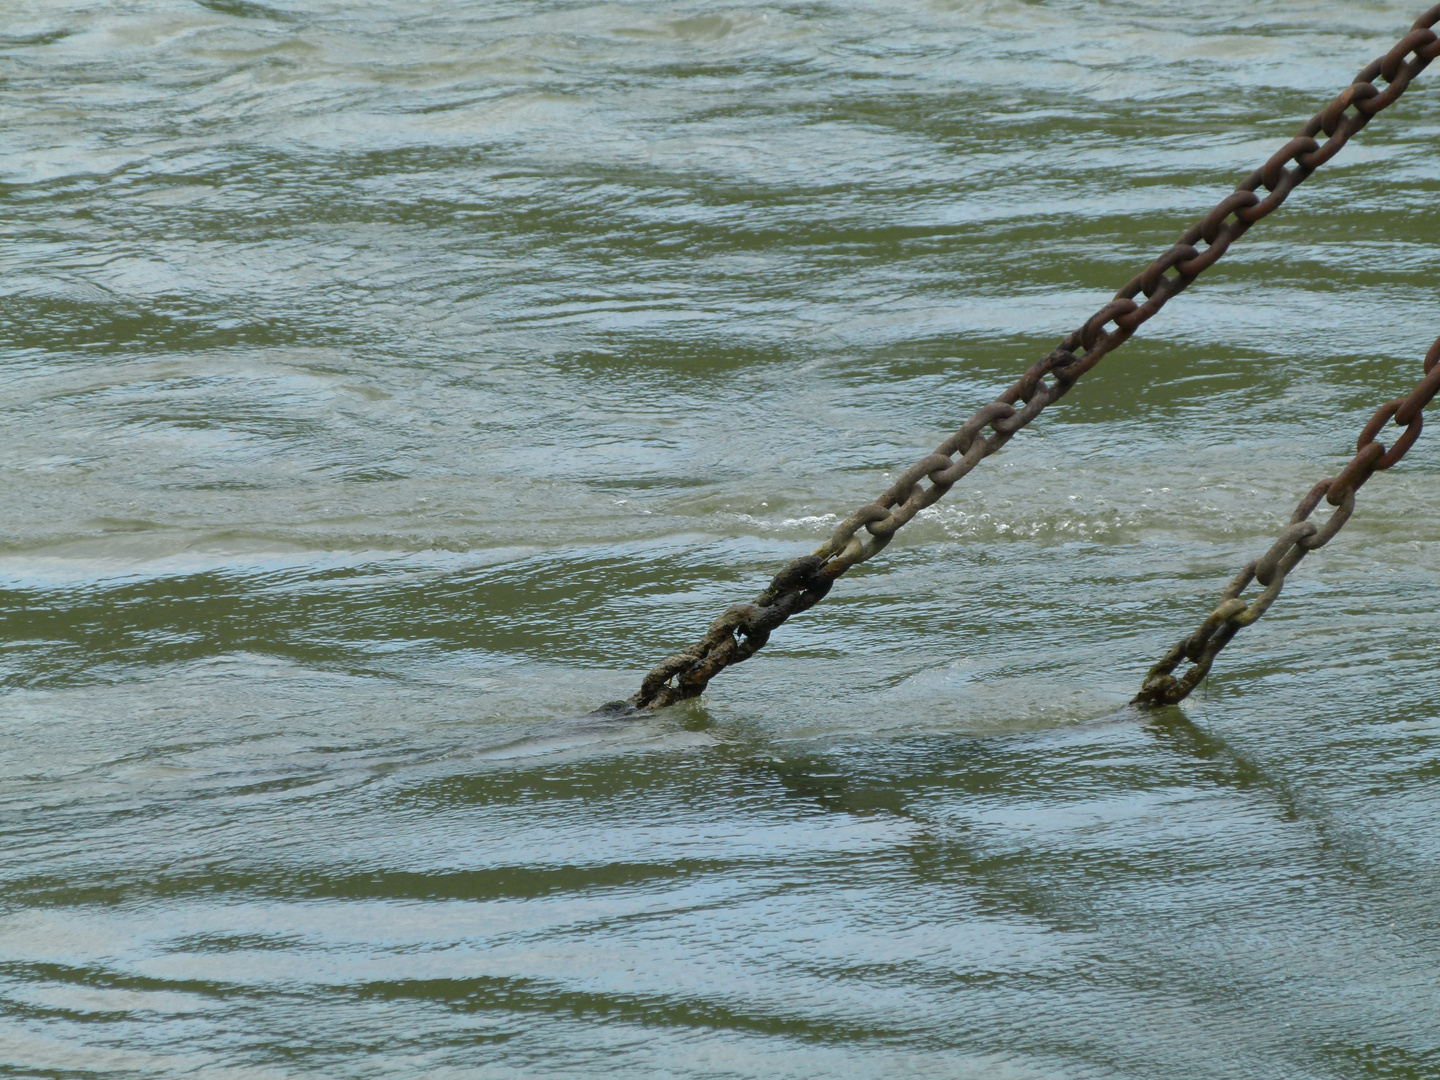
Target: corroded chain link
{"type": "Point", "coordinates": [1303, 536]}
{"type": "Point", "coordinates": [744, 628]}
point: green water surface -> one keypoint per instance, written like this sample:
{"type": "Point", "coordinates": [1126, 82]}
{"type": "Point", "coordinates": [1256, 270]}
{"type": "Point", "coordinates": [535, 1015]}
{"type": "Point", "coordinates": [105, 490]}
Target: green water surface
{"type": "Point", "coordinates": [386, 384]}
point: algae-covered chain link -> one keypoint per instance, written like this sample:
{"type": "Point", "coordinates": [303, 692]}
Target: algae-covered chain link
{"type": "Point", "coordinates": [1232, 614]}
{"type": "Point", "coordinates": [743, 629]}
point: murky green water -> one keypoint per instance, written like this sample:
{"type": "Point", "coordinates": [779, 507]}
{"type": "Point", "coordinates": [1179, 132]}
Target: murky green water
{"type": "Point", "coordinates": [387, 384]}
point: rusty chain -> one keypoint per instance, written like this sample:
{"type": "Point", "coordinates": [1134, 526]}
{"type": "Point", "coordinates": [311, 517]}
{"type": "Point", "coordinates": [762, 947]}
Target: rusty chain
{"type": "Point", "coordinates": [744, 628]}
{"type": "Point", "coordinates": [1303, 536]}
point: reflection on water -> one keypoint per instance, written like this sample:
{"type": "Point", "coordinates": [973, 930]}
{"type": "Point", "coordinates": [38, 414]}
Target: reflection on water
{"type": "Point", "coordinates": [391, 384]}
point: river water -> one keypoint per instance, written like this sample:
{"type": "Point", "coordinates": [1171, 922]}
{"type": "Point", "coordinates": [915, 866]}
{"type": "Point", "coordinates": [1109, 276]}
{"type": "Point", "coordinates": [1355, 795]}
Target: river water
{"type": "Point", "coordinates": [389, 384]}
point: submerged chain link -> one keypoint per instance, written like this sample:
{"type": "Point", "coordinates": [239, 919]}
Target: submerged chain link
{"type": "Point", "coordinates": [1303, 536]}
{"type": "Point", "coordinates": [744, 628]}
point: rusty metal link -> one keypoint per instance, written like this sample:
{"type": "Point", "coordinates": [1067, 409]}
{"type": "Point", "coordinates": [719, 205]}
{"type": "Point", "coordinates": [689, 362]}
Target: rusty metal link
{"type": "Point", "coordinates": [1232, 614]}
{"type": "Point", "coordinates": [744, 629]}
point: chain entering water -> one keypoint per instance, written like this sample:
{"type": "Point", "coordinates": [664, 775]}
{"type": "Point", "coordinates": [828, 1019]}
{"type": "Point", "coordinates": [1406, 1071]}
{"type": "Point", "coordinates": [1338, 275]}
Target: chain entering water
{"type": "Point", "coordinates": [744, 628]}
{"type": "Point", "coordinates": [1302, 537]}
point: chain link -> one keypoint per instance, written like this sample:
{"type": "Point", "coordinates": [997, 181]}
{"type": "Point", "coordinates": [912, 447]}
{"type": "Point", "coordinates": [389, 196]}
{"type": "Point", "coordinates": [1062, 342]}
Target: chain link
{"type": "Point", "coordinates": [744, 628]}
{"type": "Point", "coordinates": [1303, 536]}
